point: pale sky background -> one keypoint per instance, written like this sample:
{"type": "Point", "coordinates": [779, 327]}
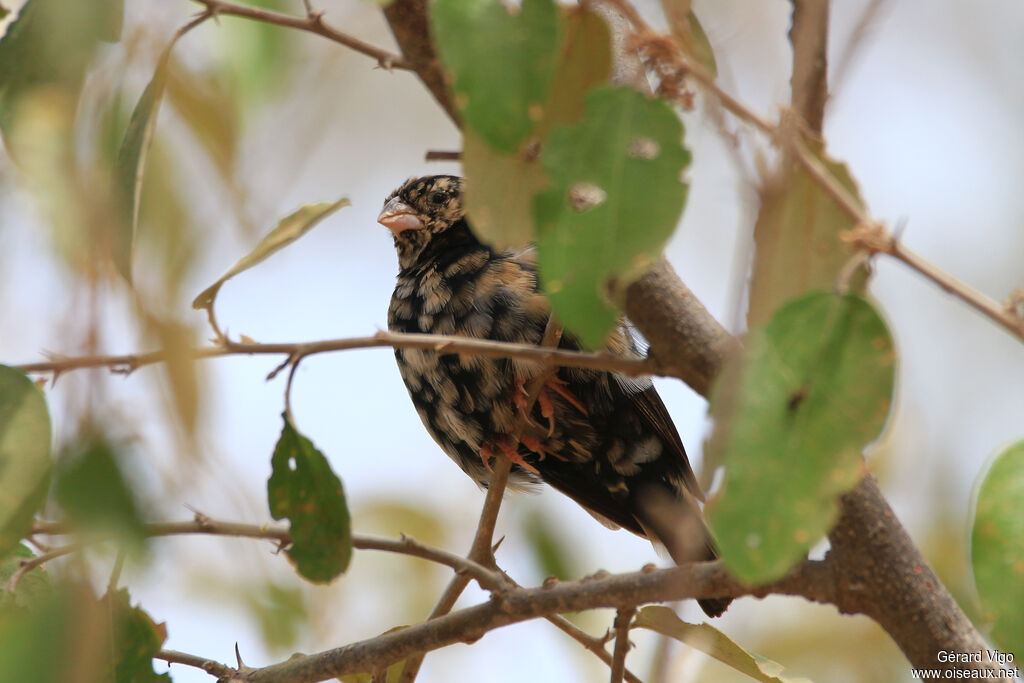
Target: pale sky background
{"type": "Point", "coordinates": [928, 117]}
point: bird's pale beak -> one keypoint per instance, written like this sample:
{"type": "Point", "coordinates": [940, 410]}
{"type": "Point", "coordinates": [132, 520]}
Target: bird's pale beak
{"type": "Point", "coordinates": [398, 217]}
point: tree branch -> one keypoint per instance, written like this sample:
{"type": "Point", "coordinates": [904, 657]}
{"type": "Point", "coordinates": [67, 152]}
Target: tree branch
{"type": "Point", "coordinates": [468, 625]}
{"type": "Point", "coordinates": [874, 238]}
{"type": "Point", "coordinates": [623, 619]}
{"type": "Point", "coordinates": [312, 22]}
{"type": "Point", "coordinates": [127, 363]}
{"type": "Point", "coordinates": [208, 665]}
{"type": "Point", "coordinates": [809, 82]}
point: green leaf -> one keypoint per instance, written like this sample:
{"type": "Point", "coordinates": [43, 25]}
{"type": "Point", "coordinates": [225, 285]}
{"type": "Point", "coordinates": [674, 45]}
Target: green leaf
{"type": "Point", "coordinates": [136, 640]}
{"type": "Point", "coordinates": [94, 493]}
{"type": "Point", "coordinates": [792, 415]}
{"type": "Point", "coordinates": [713, 642]}
{"type": "Point", "coordinates": [35, 643]}
{"type": "Point", "coordinates": [501, 62]}
{"type": "Point", "coordinates": [279, 611]}
{"type": "Point", "coordinates": [549, 548]}
{"type": "Point", "coordinates": [997, 547]}
{"type": "Point", "coordinates": [797, 239]}
{"type": "Point", "coordinates": [289, 229]}
{"type": "Point", "coordinates": [32, 586]}
{"type": "Point", "coordinates": [43, 643]}
{"type": "Point", "coordinates": [621, 164]}
{"type": "Point", "coordinates": [131, 164]}
{"type": "Point", "coordinates": [25, 462]}
{"type": "Point", "coordinates": [303, 488]}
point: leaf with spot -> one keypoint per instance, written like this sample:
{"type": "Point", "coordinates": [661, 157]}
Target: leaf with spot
{"type": "Point", "coordinates": [997, 547]}
{"type": "Point", "coordinates": [500, 187]}
{"type": "Point", "coordinates": [501, 61]}
{"type": "Point", "coordinates": [792, 414]}
{"type": "Point", "coordinates": [25, 462]}
{"type": "Point", "coordinates": [711, 641]}
{"type": "Point", "coordinates": [797, 239]}
{"type": "Point", "coordinates": [616, 195]}
{"type": "Point", "coordinates": [303, 488]}
{"type": "Point", "coordinates": [288, 229]}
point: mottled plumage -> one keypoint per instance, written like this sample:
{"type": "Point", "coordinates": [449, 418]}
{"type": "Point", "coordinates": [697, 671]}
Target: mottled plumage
{"type": "Point", "coordinates": [610, 444]}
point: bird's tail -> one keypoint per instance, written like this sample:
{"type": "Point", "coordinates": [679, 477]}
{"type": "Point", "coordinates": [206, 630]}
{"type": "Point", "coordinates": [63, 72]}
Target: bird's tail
{"type": "Point", "coordinates": [677, 523]}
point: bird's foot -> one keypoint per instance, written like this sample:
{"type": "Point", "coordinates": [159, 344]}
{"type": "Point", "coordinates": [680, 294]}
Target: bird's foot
{"type": "Point", "coordinates": [547, 408]}
{"type": "Point", "coordinates": [508, 448]}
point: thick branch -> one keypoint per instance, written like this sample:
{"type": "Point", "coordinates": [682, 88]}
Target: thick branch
{"type": "Point", "coordinates": [882, 575]}
{"type": "Point", "coordinates": [409, 23]}
{"type": "Point", "coordinates": [468, 625]}
{"type": "Point", "coordinates": [809, 83]}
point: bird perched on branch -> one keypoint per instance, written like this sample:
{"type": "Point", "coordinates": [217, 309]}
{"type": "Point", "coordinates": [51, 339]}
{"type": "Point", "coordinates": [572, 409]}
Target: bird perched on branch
{"type": "Point", "coordinates": [601, 438]}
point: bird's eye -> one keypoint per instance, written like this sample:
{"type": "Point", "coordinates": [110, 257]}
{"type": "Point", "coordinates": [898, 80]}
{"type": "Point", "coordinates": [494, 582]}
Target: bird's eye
{"type": "Point", "coordinates": [438, 197]}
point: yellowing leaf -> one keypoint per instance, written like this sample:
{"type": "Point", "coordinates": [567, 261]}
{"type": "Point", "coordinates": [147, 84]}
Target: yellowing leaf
{"type": "Point", "coordinates": [796, 239]}
{"type": "Point", "coordinates": [711, 641]}
{"type": "Point", "coordinates": [289, 229]}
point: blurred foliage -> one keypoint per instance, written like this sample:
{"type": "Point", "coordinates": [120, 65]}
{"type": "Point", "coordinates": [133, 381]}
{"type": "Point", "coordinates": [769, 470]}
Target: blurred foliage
{"type": "Point", "coordinates": [797, 238]}
{"type": "Point", "coordinates": [792, 415]}
{"type": "Point", "coordinates": [997, 547]}
{"type": "Point", "coordinates": [51, 44]}
{"type": "Point", "coordinates": [66, 634]}
{"type": "Point", "coordinates": [94, 493]}
{"type": "Point", "coordinates": [550, 547]}
{"type": "Point", "coordinates": [688, 32]}
{"type": "Point", "coordinates": [280, 611]}
{"type": "Point", "coordinates": [30, 587]}
{"type": "Point", "coordinates": [304, 489]}
{"type": "Point", "coordinates": [25, 462]}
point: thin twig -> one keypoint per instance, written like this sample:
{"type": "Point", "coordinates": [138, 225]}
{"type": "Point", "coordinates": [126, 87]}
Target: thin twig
{"type": "Point", "coordinates": [28, 564]}
{"type": "Point", "coordinates": [487, 578]}
{"type": "Point", "coordinates": [128, 363]}
{"type": "Point", "coordinates": [208, 665]}
{"type": "Point", "coordinates": [438, 155]}
{"type": "Point", "coordinates": [312, 22]}
{"type": "Point", "coordinates": [623, 618]}
{"type": "Point", "coordinates": [874, 238]}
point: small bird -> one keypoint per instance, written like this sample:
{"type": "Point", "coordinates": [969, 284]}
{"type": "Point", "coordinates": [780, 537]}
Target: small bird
{"type": "Point", "coordinates": [601, 438]}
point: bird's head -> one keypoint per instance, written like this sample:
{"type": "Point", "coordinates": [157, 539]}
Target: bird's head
{"type": "Point", "coordinates": [421, 209]}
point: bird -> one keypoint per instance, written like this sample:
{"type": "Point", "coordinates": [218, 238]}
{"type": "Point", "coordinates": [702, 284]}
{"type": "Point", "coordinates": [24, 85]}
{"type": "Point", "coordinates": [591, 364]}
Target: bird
{"type": "Point", "coordinates": [602, 438]}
